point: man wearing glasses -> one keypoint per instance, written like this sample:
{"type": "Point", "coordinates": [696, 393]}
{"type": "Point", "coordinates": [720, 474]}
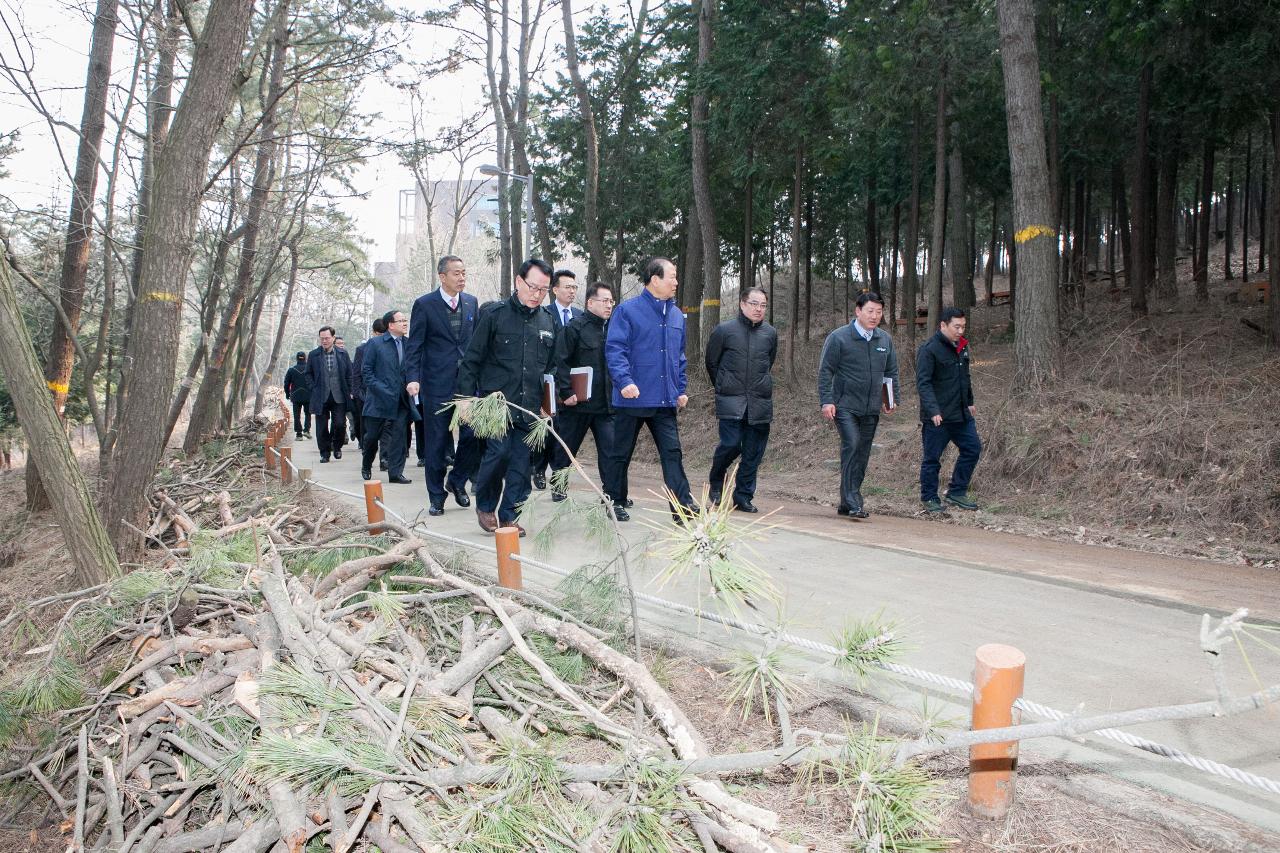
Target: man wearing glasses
{"type": "Point", "coordinates": [512, 347]}
{"type": "Point", "coordinates": [740, 356]}
{"type": "Point", "coordinates": [581, 345]}
{"type": "Point", "coordinates": [564, 291]}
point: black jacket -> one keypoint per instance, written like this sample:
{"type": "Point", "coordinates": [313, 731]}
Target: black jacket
{"type": "Point", "coordinates": [851, 370]}
{"type": "Point", "coordinates": [581, 344]}
{"type": "Point", "coordinates": [942, 378]}
{"type": "Point", "coordinates": [740, 355]}
{"type": "Point", "coordinates": [511, 349]}
{"type": "Point", "coordinates": [297, 383]}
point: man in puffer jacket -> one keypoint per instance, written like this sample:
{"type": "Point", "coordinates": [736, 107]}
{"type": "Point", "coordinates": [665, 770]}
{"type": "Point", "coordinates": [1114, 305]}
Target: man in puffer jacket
{"type": "Point", "coordinates": [740, 356]}
{"type": "Point", "coordinates": [644, 351]}
{"type": "Point", "coordinates": [946, 412]}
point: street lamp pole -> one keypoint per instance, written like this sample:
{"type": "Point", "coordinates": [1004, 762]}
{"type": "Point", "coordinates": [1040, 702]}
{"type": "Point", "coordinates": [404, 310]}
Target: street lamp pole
{"type": "Point", "coordinates": [527, 180]}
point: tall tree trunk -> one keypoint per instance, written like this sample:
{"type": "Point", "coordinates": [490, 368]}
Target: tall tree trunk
{"type": "Point", "coordinates": [1078, 238]}
{"type": "Point", "coordinates": [79, 239]}
{"type": "Point", "coordinates": [1262, 211]}
{"type": "Point", "coordinates": [939, 205]}
{"type": "Point", "coordinates": [166, 244]}
{"type": "Point", "coordinates": [1166, 284]}
{"type": "Point", "coordinates": [1273, 278]}
{"type": "Point", "coordinates": [960, 262]}
{"type": "Point", "coordinates": [747, 274]}
{"type": "Point", "coordinates": [1229, 230]}
{"type": "Point", "coordinates": [808, 256]}
{"type": "Point", "coordinates": [64, 482]}
{"type": "Point", "coordinates": [773, 269]}
{"type": "Point", "coordinates": [1140, 279]}
{"type": "Point", "coordinates": [204, 410]}
{"type": "Point", "coordinates": [702, 169]}
{"type": "Point", "coordinates": [1206, 200]}
{"type": "Point", "coordinates": [797, 233]}
{"type": "Point", "coordinates": [872, 236]}
{"type": "Point", "coordinates": [1036, 310]}
{"type": "Point", "coordinates": [848, 267]}
{"type": "Point", "coordinates": [1122, 222]}
{"type": "Point", "coordinates": [1247, 193]}
{"type": "Point", "coordinates": [269, 375]}
{"type": "Point", "coordinates": [693, 286]}
{"type": "Point", "coordinates": [988, 274]}
{"type": "Point", "coordinates": [911, 255]}
{"type": "Point", "coordinates": [591, 144]}
{"type": "Point", "coordinates": [893, 263]}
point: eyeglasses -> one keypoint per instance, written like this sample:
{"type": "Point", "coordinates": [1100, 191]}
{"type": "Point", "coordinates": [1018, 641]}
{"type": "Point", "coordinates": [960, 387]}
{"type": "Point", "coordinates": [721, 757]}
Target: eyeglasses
{"type": "Point", "coordinates": [756, 304]}
{"type": "Point", "coordinates": [607, 300]}
{"type": "Point", "coordinates": [535, 289]}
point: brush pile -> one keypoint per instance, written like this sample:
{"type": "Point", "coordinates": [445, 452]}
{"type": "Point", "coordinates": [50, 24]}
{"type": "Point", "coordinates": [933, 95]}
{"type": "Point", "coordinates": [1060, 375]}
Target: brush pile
{"type": "Point", "coordinates": [274, 683]}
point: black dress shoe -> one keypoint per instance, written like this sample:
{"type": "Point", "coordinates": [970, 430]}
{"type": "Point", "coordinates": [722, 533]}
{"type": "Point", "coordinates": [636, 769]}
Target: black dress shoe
{"type": "Point", "coordinates": [630, 503]}
{"type": "Point", "coordinates": [460, 496]}
{"type": "Point", "coordinates": [713, 498]}
{"type": "Point", "coordinates": [366, 473]}
{"type": "Point", "coordinates": [436, 509]}
{"type": "Point", "coordinates": [859, 514]}
{"type": "Point", "coordinates": [382, 466]}
{"type": "Point", "coordinates": [324, 459]}
{"type": "Point", "coordinates": [620, 513]}
{"type": "Point", "coordinates": [448, 460]}
{"type": "Point", "coordinates": [539, 481]}
{"type": "Point", "coordinates": [399, 480]}
{"type": "Point", "coordinates": [422, 463]}
{"type": "Point", "coordinates": [745, 506]}
{"type": "Point", "coordinates": [559, 496]}
{"type": "Point", "coordinates": [337, 454]}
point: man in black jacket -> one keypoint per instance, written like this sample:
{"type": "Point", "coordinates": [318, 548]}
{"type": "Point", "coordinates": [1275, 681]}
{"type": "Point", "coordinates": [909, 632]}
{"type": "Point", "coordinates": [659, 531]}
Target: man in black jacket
{"type": "Point", "coordinates": [857, 362]}
{"type": "Point", "coordinates": [581, 344]}
{"type": "Point", "coordinates": [740, 356]}
{"type": "Point", "coordinates": [357, 382]}
{"type": "Point", "coordinates": [946, 412]}
{"type": "Point", "coordinates": [329, 369]}
{"type": "Point", "coordinates": [297, 387]}
{"type": "Point", "coordinates": [388, 406]}
{"type": "Point", "coordinates": [512, 347]}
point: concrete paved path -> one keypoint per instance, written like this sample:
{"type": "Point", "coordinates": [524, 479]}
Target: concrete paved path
{"type": "Point", "coordinates": [1103, 629]}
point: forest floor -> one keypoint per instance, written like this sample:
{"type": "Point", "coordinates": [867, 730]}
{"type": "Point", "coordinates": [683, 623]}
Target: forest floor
{"type": "Point", "coordinates": [1160, 436]}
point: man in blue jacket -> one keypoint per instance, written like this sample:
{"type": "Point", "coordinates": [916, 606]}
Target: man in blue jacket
{"type": "Point", "coordinates": [946, 412]}
{"type": "Point", "coordinates": [440, 329]}
{"type": "Point", "coordinates": [387, 405]}
{"type": "Point", "coordinates": [644, 351]}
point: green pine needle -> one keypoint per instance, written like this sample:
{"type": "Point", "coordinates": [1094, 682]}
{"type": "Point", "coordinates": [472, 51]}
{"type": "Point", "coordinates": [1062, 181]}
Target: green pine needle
{"type": "Point", "coordinates": [868, 644]}
{"type": "Point", "coordinates": [761, 677]}
{"type": "Point", "coordinates": [283, 680]}
{"type": "Point", "coordinates": [315, 764]}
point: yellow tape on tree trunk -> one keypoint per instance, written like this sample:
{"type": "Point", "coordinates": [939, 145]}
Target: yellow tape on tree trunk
{"type": "Point", "coordinates": [1033, 231]}
{"type": "Point", "coordinates": [58, 387]}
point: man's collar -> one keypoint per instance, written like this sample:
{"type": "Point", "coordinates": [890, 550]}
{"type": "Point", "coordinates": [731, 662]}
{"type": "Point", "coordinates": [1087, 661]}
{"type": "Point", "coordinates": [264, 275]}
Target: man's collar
{"type": "Point", "coordinates": [563, 308]}
{"type": "Point", "coordinates": [751, 324]}
{"type": "Point", "coordinates": [862, 330]}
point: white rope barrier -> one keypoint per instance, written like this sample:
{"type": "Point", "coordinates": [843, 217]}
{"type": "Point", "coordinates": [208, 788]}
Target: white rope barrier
{"type": "Point", "coordinates": [957, 685]}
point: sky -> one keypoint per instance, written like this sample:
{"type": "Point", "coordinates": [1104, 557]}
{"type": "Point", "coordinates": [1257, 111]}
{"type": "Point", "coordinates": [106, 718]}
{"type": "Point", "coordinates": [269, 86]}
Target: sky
{"type": "Point", "coordinates": [59, 30]}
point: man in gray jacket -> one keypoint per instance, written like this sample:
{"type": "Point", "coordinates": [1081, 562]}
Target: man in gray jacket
{"type": "Point", "coordinates": [740, 356]}
{"type": "Point", "coordinates": [858, 362]}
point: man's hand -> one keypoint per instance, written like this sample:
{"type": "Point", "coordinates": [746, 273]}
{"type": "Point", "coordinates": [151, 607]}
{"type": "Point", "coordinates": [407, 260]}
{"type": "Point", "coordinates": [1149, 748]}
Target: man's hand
{"type": "Point", "coordinates": [887, 410]}
{"type": "Point", "coordinates": [973, 411]}
{"type": "Point", "coordinates": [829, 411]}
{"type": "Point", "coordinates": [631, 391]}
{"type": "Point", "coordinates": [572, 400]}
{"type": "Point", "coordinates": [463, 405]}
{"type": "Point", "coordinates": [937, 420]}
{"type": "Point", "coordinates": [682, 401]}
{"type": "Point", "coordinates": [412, 388]}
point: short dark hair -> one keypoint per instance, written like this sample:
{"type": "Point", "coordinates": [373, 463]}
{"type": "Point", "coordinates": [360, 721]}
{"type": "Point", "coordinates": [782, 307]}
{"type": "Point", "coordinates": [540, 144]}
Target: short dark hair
{"type": "Point", "coordinates": [746, 294]}
{"type": "Point", "coordinates": [443, 265]}
{"type": "Point", "coordinates": [389, 318]}
{"type": "Point", "coordinates": [302, 356]}
{"type": "Point", "coordinates": [950, 313]}
{"type": "Point", "coordinates": [555, 279]}
{"type": "Point", "coordinates": [869, 296]}
{"type": "Point", "coordinates": [545, 267]}
{"type": "Point", "coordinates": [594, 288]}
{"type": "Point", "coordinates": [330, 329]}
{"type": "Point", "coordinates": [654, 266]}
{"type": "Point", "coordinates": [379, 325]}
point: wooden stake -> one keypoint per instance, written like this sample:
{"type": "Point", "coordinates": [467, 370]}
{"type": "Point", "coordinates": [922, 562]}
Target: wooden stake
{"type": "Point", "coordinates": [373, 493]}
{"type": "Point", "coordinates": [269, 458]}
{"type": "Point", "coordinates": [997, 683]}
{"type": "Point", "coordinates": [507, 540]}
{"type": "Point", "coordinates": [286, 470]}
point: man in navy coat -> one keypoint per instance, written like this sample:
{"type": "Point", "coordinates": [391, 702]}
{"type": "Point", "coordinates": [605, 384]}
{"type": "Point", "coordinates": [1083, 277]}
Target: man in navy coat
{"type": "Point", "coordinates": [387, 404]}
{"type": "Point", "coordinates": [440, 329]}
{"type": "Point", "coordinates": [564, 290]}
{"type": "Point", "coordinates": [330, 370]}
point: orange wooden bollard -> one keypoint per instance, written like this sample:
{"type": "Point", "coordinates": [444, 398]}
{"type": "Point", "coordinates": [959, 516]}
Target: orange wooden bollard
{"type": "Point", "coordinates": [373, 494]}
{"type": "Point", "coordinates": [997, 684]}
{"type": "Point", "coordinates": [507, 540]}
{"type": "Point", "coordinates": [268, 457]}
{"type": "Point", "coordinates": [286, 472]}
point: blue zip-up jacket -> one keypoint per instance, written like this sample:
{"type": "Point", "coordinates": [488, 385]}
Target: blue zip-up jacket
{"type": "Point", "coordinates": [645, 348]}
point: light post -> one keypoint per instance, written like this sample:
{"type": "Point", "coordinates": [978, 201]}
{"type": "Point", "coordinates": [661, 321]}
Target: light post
{"type": "Point", "coordinates": [527, 180]}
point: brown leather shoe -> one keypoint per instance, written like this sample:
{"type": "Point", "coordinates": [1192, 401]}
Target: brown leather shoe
{"type": "Point", "coordinates": [488, 521]}
{"type": "Point", "coordinates": [517, 527]}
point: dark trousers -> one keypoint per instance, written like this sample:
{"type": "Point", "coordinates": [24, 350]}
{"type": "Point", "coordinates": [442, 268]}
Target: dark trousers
{"type": "Point", "coordinates": [666, 435]}
{"type": "Point", "coordinates": [437, 440]}
{"type": "Point", "coordinates": [301, 410]}
{"type": "Point", "coordinates": [739, 438]}
{"type": "Point", "coordinates": [545, 455]}
{"type": "Point", "coordinates": [934, 440]}
{"type": "Point", "coordinates": [331, 427]}
{"type": "Point", "coordinates": [356, 413]}
{"type": "Point", "coordinates": [387, 434]}
{"type": "Point", "coordinates": [502, 483]}
{"type": "Point", "coordinates": [856, 435]}
{"type": "Point", "coordinates": [573, 428]}
{"type": "Point", "coordinates": [415, 434]}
